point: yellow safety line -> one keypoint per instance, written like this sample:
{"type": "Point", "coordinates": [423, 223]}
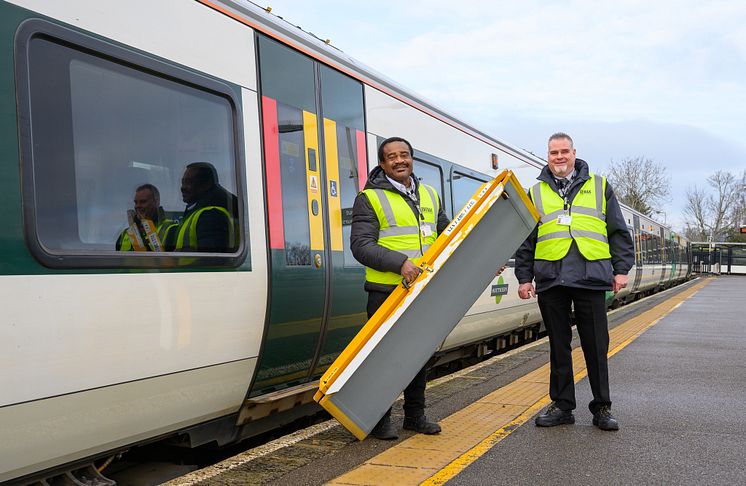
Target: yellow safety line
{"type": "Point", "coordinates": [433, 460]}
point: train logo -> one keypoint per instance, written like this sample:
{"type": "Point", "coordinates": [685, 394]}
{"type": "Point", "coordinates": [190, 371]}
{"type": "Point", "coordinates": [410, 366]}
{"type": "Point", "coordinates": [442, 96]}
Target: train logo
{"type": "Point", "coordinates": [499, 290]}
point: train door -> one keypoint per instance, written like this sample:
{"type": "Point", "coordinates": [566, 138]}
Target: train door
{"type": "Point", "coordinates": [315, 164]}
{"type": "Point", "coordinates": [637, 235]}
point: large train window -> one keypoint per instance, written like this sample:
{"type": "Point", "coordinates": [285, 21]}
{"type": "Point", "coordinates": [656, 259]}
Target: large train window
{"type": "Point", "coordinates": [111, 139]}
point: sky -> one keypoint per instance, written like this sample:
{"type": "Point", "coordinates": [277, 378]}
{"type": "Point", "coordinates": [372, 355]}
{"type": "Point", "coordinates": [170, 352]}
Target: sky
{"type": "Point", "coordinates": [665, 80]}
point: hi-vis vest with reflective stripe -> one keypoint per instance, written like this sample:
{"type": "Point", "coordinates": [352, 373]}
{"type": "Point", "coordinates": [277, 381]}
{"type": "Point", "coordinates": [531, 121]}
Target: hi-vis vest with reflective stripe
{"type": "Point", "coordinates": [587, 227]}
{"type": "Point", "coordinates": [187, 236]}
{"type": "Point", "coordinates": [163, 230]}
{"type": "Point", "coordinates": [399, 229]}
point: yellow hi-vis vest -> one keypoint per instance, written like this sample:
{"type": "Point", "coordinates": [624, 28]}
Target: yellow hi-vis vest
{"type": "Point", "coordinates": [399, 228]}
{"type": "Point", "coordinates": [587, 227]}
{"type": "Point", "coordinates": [186, 239]}
{"type": "Point", "coordinates": [163, 229]}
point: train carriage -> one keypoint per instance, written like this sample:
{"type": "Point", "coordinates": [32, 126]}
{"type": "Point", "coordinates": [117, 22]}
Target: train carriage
{"type": "Point", "coordinates": [103, 349]}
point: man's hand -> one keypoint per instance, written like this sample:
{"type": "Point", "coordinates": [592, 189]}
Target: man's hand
{"type": "Point", "coordinates": [620, 282]}
{"type": "Point", "coordinates": [526, 291]}
{"type": "Point", "coordinates": [409, 271]}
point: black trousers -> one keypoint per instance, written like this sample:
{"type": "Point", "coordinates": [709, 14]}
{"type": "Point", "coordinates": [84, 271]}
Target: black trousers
{"type": "Point", "coordinates": [414, 393]}
{"type": "Point", "coordinates": [590, 314]}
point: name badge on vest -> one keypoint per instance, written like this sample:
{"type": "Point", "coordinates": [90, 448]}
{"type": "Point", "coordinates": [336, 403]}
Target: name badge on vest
{"type": "Point", "coordinates": [564, 220]}
{"type": "Point", "coordinates": [425, 230]}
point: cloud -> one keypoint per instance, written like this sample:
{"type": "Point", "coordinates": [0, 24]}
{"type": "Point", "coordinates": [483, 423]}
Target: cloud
{"type": "Point", "coordinates": [632, 77]}
{"type": "Point", "coordinates": [689, 154]}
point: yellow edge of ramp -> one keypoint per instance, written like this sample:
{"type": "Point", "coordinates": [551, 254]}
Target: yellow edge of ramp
{"type": "Point", "coordinates": [471, 432]}
{"type": "Point", "coordinates": [398, 295]}
{"type": "Point", "coordinates": [340, 416]}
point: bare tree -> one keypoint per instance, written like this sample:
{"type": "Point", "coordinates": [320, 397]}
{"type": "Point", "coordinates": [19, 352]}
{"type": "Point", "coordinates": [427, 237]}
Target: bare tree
{"type": "Point", "coordinates": [640, 183]}
{"type": "Point", "coordinates": [724, 184]}
{"type": "Point", "coordinates": [717, 215]}
{"type": "Point", "coordinates": [737, 214]}
{"type": "Point", "coordinates": [697, 212]}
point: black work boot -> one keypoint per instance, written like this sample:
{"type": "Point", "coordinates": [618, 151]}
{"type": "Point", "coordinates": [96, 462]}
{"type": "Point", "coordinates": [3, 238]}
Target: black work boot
{"type": "Point", "coordinates": [604, 420]}
{"type": "Point", "coordinates": [384, 429]}
{"type": "Point", "coordinates": [554, 416]}
{"type": "Point", "coordinates": [421, 425]}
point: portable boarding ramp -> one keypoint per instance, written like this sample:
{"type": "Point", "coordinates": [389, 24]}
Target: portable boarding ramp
{"type": "Point", "coordinates": [402, 335]}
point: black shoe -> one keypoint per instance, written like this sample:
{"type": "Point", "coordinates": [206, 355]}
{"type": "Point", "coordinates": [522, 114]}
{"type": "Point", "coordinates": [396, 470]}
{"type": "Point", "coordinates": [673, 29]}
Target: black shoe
{"type": "Point", "coordinates": [604, 420]}
{"type": "Point", "coordinates": [384, 429]}
{"type": "Point", "coordinates": [421, 425]}
{"type": "Point", "coordinates": [554, 416]}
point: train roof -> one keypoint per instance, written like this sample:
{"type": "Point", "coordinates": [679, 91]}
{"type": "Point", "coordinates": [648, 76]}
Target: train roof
{"type": "Point", "coordinates": [264, 21]}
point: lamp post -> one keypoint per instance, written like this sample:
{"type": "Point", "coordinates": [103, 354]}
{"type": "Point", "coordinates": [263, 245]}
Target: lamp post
{"type": "Point", "coordinates": [663, 213]}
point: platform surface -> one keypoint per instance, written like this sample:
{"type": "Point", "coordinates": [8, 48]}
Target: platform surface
{"type": "Point", "coordinates": [678, 380]}
{"type": "Point", "coordinates": [678, 391]}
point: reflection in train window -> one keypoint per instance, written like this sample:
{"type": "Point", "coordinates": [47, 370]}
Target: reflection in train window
{"type": "Point", "coordinates": [101, 128]}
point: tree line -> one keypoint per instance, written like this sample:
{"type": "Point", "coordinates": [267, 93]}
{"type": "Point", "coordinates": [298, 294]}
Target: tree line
{"type": "Point", "coordinates": [714, 212]}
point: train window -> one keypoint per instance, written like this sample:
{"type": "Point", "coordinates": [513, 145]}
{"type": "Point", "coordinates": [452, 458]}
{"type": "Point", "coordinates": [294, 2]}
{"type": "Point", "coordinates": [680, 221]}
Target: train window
{"type": "Point", "coordinates": [738, 256]}
{"type": "Point", "coordinates": [294, 192]}
{"type": "Point", "coordinates": [287, 75]}
{"type": "Point", "coordinates": [344, 121]}
{"type": "Point", "coordinates": [104, 122]}
{"type": "Point", "coordinates": [289, 99]}
{"type": "Point", "coordinates": [342, 99]}
{"type": "Point", "coordinates": [431, 175]}
{"type": "Point", "coordinates": [462, 188]}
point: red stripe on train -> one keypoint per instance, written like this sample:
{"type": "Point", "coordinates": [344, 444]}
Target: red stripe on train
{"type": "Point", "coordinates": [362, 159]}
{"type": "Point", "coordinates": [273, 179]}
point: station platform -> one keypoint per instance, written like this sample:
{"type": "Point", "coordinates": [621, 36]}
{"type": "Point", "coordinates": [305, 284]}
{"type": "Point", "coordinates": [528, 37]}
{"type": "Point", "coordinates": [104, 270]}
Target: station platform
{"type": "Point", "coordinates": [678, 382]}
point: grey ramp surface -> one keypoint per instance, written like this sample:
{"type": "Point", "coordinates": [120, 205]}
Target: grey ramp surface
{"type": "Point", "coordinates": [678, 392]}
{"type": "Point", "coordinates": [405, 349]}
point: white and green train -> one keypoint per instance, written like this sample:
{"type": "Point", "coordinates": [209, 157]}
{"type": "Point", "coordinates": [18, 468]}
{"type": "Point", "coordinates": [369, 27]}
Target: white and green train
{"type": "Point", "coordinates": [103, 349]}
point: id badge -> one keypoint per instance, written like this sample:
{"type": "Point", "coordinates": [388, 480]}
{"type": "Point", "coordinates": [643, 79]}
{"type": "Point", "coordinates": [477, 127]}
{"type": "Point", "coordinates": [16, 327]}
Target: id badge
{"type": "Point", "coordinates": [425, 230]}
{"type": "Point", "coordinates": [564, 220]}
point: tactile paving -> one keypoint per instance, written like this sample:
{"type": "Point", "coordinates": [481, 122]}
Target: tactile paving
{"type": "Point", "coordinates": [486, 421]}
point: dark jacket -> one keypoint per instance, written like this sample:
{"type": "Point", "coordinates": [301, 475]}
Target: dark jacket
{"type": "Point", "coordinates": [213, 230]}
{"type": "Point", "coordinates": [574, 270]}
{"type": "Point", "coordinates": [365, 228]}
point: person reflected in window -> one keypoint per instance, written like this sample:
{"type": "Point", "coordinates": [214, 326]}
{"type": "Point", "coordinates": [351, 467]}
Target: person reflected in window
{"type": "Point", "coordinates": [209, 220]}
{"type": "Point", "coordinates": [148, 206]}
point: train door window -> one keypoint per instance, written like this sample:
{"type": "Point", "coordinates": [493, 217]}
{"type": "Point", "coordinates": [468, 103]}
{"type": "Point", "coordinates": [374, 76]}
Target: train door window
{"type": "Point", "coordinates": [462, 188]}
{"type": "Point", "coordinates": [346, 154]}
{"type": "Point", "coordinates": [431, 175]}
{"type": "Point", "coordinates": [658, 250]}
{"type": "Point", "coordinates": [105, 121]}
{"type": "Point", "coordinates": [289, 108]}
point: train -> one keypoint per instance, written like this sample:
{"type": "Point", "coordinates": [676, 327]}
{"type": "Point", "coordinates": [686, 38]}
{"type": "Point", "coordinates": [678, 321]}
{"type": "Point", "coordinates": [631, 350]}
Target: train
{"type": "Point", "coordinates": [102, 350]}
